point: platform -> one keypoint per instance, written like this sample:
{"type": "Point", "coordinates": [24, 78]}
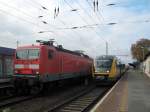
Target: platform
{"type": "Point", "coordinates": [130, 94]}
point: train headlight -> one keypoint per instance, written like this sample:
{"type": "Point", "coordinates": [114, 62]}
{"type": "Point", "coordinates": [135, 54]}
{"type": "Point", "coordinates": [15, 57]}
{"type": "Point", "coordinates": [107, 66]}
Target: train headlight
{"type": "Point", "coordinates": [107, 71]}
{"type": "Point", "coordinates": [37, 72]}
{"type": "Point", "coordinates": [16, 71]}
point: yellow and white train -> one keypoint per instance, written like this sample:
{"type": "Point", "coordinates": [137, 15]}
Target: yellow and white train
{"type": "Point", "coordinates": [107, 68]}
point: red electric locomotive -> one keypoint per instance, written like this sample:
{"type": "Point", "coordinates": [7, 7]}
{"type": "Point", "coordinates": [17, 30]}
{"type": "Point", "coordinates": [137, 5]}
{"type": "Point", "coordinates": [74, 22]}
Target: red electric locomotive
{"type": "Point", "coordinates": [36, 65]}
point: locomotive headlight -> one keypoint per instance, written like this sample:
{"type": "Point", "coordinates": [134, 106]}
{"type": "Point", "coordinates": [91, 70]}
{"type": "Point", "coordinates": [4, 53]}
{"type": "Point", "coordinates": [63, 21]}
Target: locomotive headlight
{"type": "Point", "coordinates": [37, 72]}
{"type": "Point", "coordinates": [16, 71]}
{"type": "Point", "coordinates": [107, 71]}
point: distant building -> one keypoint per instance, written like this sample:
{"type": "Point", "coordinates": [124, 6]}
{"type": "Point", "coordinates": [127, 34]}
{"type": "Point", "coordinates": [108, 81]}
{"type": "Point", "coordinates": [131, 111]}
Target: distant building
{"type": "Point", "coordinates": [147, 64]}
{"type": "Point", "coordinates": [6, 62]}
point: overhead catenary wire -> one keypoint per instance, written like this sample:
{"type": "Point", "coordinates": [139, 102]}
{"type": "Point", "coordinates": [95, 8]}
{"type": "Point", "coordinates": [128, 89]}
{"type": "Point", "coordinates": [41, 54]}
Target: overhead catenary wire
{"type": "Point", "coordinates": [97, 15]}
{"type": "Point", "coordinates": [47, 11]}
{"type": "Point", "coordinates": [98, 12]}
{"type": "Point", "coordinates": [79, 15]}
{"type": "Point", "coordinates": [44, 9]}
{"type": "Point", "coordinates": [19, 18]}
{"type": "Point", "coordinates": [102, 16]}
{"type": "Point", "coordinates": [38, 4]}
{"type": "Point", "coordinates": [75, 32]}
{"type": "Point", "coordinates": [42, 6]}
{"type": "Point", "coordinates": [92, 20]}
{"type": "Point", "coordinates": [22, 19]}
{"type": "Point", "coordinates": [61, 23]}
{"type": "Point", "coordinates": [84, 20]}
{"type": "Point", "coordinates": [25, 14]}
{"type": "Point", "coordinates": [45, 22]}
{"type": "Point", "coordinates": [18, 10]}
{"type": "Point", "coordinates": [56, 14]}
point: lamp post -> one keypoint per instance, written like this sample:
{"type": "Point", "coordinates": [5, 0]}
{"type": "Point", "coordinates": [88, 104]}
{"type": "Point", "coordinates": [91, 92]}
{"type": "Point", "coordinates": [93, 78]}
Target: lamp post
{"type": "Point", "coordinates": [142, 52]}
{"type": "Point", "coordinates": [143, 58]}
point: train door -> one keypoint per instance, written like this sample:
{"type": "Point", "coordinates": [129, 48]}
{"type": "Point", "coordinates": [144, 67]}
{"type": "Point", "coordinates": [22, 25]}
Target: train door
{"type": "Point", "coordinates": [61, 66]}
{"type": "Point", "coordinates": [60, 63]}
{"type": "Point", "coordinates": [118, 67]}
{"type": "Point", "coordinates": [53, 65]}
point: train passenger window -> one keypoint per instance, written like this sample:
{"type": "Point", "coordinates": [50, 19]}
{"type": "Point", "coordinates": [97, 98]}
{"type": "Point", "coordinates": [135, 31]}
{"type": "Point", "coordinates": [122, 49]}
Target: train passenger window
{"type": "Point", "coordinates": [50, 54]}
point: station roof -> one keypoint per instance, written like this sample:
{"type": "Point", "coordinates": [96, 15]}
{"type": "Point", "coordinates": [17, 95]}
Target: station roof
{"type": "Point", "coordinates": [6, 51]}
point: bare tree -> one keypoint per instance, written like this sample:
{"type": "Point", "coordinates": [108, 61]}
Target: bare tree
{"type": "Point", "coordinates": [140, 49]}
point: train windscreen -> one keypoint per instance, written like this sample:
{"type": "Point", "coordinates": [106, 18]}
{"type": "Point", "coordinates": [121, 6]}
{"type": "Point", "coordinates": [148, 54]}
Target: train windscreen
{"type": "Point", "coordinates": [103, 65]}
{"type": "Point", "coordinates": [27, 54]}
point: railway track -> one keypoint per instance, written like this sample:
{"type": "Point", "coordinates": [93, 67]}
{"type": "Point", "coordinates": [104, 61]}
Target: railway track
{"type": "Point", "coordinates": [81, 102]}
{"type": "Point", "coordinates": [14, 100]}
{"type": "Point", "coordinates": [3, 98]}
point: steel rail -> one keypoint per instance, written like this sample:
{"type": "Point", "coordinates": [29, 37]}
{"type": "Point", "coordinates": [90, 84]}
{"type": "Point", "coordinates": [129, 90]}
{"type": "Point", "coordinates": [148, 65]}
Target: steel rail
{"type": "Point", "coordinates": [81, 102]}
{"type": "Point", "coordinates": [15, 100]}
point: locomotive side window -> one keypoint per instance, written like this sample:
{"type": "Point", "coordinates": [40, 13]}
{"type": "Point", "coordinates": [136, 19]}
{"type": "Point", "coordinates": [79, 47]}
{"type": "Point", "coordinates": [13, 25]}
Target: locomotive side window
{"type": "Point", "coordinates": [50, 54]}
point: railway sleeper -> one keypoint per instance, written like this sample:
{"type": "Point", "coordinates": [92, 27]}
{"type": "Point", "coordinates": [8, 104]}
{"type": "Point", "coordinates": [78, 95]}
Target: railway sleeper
{"type": "Point", "coordinates": [85, 100]}
{"type": "Point", "coordinates": [89, 98]}
{"type": "Point", "coordinates": [82, 102]}
{"type": "Point", "coordinates": [69, 110]}
{"type": "Point", "coordinates": [78, 105]}
{"type": "Point", "coordinates": [73, 108]}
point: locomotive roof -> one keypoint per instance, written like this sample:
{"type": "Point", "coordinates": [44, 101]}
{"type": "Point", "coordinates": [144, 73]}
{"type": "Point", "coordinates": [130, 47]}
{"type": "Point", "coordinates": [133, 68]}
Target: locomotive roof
{"type": "Point", "coordinates": [29, 46]}
{"type": "Point", "coordinates": [57, 48]}
{"type": "Point", "coordinates": [72, 52]}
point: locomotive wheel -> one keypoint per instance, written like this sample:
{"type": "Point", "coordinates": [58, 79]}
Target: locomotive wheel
{"type": "Point", "coordinates": [10, 91]}
{"type": "Point", "coordinates": [86, 81]}
{"type": "Point", "coordinates": [18, 91]}
{"type": "Point", "coordinates": [36, 89]}
{"type": "Point", "coordinates": [26, 91]}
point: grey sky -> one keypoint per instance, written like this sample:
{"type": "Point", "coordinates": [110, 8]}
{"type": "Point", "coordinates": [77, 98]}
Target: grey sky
{"type": "Point", "coordinates": [19, 21]}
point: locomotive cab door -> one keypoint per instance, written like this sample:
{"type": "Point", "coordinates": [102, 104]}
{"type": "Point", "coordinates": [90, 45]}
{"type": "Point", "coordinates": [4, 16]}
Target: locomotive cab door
{"type": "Point", "coordinates": [52, 62]}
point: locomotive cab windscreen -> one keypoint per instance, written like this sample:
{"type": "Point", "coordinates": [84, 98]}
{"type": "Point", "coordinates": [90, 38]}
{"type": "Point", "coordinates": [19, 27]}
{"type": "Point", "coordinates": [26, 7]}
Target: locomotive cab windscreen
{"type": "Point", "coordinates": [103, 64]}
{"type": "Point", "coordinates": [27, 61]}
{"type": "Point", "coordinates": [27, 54]}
